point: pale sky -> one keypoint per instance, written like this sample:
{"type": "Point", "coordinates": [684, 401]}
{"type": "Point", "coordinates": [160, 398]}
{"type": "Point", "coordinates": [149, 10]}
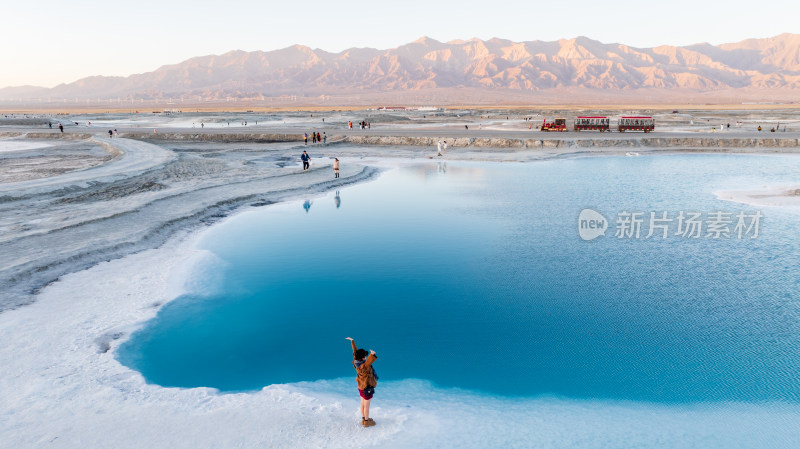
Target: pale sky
{"type": "Point", "coordinates": [48, 42]}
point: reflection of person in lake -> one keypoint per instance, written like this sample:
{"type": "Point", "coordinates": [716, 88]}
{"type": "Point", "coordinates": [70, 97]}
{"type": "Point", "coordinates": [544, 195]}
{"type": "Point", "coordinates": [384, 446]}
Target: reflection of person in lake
{"type": "Point", "coordinates": [307, 205]}
{"type": "Point", "coordinates": [337, 200]}
{"type": "Point", "coordinates": [441, 167]}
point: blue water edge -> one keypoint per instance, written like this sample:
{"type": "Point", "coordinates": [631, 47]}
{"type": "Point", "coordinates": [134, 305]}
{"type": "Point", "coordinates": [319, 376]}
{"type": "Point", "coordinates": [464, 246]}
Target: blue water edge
{"type": "Point", "coordinates": [473, 275]}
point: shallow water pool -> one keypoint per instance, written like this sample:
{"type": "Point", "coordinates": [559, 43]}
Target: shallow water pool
{"type": "Point", "coordinates": [473, 275]}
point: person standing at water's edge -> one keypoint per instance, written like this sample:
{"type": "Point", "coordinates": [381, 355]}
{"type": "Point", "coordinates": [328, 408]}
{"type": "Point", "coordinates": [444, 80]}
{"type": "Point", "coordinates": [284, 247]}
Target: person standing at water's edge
{"type": "Point", "coordinates": [335, 167]}
{"type": "Point", "coordinates": [305, 158]}
{"type": "Point", "coordinates": [366, 378]}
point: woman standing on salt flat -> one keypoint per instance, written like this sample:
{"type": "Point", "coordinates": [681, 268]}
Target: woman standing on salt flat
{"type": "Point", "coordinates": [366, 378]}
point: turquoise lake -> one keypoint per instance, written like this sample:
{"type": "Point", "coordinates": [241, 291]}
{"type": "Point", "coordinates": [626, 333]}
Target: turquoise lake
{"type": "Point", "coordinates": [473, 275]}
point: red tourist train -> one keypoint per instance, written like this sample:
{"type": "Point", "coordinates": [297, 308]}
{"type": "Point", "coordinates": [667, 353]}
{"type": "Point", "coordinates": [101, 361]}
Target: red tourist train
{"type": "Point", "coordinates": [559, 124]}
{"type": "Point", "coordinates": [601, 124]}
{"type": "Point", "coordinates": [645, 124]}
{"type": "Point", "coordinates": [592, 124]}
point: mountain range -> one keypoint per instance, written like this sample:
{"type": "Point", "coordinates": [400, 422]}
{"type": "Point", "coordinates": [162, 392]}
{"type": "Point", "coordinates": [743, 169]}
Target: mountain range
{"type": "Point", "coordinates": [486, 68]}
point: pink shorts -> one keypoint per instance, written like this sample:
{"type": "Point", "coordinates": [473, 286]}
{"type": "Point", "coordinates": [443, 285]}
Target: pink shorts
{"type": "Point", "coordinates": [365, 396]}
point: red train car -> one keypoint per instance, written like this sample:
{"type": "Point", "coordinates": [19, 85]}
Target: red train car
{"type": "Point", "coordinates": [592, 124]}
{"type": "Point", "coordinates": [559, 124]}
{"type": "Point", "coordinates": [645, 124]}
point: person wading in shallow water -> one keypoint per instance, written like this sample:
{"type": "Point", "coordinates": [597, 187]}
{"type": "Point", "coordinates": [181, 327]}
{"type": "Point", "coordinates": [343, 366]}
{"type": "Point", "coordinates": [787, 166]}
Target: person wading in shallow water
{"type": "Point", "coordinates": [366, 378]}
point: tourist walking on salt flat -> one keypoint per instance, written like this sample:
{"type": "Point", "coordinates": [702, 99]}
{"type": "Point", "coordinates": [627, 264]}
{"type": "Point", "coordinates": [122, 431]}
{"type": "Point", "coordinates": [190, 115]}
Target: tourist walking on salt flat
{"type": "Point", "coordinates": [367, 379]}
{"type": "Point", "coordinates": [439, 148]}
{"type": "Point", "coordinates": [444, 147]}
{"type": "Point", "coordinates": [305, 158]}
{"type": "Point", "coordinates": [335, 167]}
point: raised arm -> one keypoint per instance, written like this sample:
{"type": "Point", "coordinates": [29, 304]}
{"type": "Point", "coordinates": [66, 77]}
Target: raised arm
{"type": "Point", "coordinates": [371, 358]}
{"type": "Point", "coordinates": [355, 348]}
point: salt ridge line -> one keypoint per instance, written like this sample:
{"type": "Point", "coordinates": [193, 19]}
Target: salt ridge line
{"type": "Point", "coordinates": [105, 220]}
{"type": "Point", "coordinates": [574, 142]}
{"type": "Point", "coordinates": [30, 263]}
{"type": "Point", "coordinates": [456, 138]}
{"type": "Point", "coordinates": [132, 158]}
{"type": "Point", "coordinates": [525, 140]}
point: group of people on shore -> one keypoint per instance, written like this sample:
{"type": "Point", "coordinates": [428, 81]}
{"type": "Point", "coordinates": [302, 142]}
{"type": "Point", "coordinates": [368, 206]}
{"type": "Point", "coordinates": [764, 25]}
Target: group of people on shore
{"type": "Point", "coordinates": [307, 163]}
{"type": "Point", "coordinates": [759, 128]}
{"type": "Point", "coordinates": [315, 138]}
{"type": "Point", "coordinates": [774, 128]}
{"type": "Point", "coordinates": [363, 124]}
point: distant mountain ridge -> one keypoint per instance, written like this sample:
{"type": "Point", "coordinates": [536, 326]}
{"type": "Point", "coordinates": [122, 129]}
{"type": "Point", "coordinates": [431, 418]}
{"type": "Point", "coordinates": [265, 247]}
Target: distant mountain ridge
{"type": "Point", "coordinates": [426, 64]}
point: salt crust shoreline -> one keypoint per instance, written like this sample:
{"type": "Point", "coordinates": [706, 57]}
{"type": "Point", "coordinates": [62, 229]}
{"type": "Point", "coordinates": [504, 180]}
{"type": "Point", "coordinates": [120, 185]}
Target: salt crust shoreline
{"type": "Point", "coordinates": [488, 139]}
{"type": "Point", "coordinates": [55, 225]}
{"type": "Point", "coordinates": [63, 387]}
{"type": "Point", "coordinates": [787, 197]}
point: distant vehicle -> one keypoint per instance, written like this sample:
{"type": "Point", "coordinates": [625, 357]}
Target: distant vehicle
{"type": "Point", "coordinates": [645, 124]}
{"type": "Point", "coordinates": [592, 124]}
{"type": "Point", "coordinates": [559, 124]}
